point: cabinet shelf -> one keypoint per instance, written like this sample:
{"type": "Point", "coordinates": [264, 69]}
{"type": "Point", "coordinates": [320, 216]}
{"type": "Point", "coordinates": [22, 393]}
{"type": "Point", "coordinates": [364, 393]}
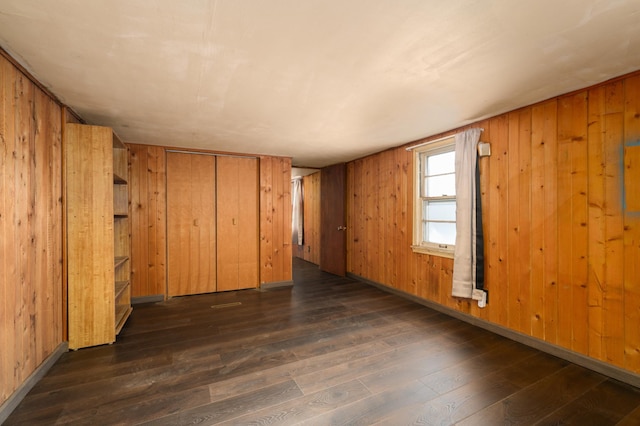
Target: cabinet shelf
{"type": "Point", "coordinates": [122, 313]}
{"type": "Point", "coordinates": [120, 260]}
{"type": "Point", "coordinates": [120, 287]}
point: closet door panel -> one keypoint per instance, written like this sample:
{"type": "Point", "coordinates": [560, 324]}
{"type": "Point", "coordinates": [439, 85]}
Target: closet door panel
{"type": "Point", "coordinates": [237, 194]}
{"type": "Point", "coordinates": [191, 233]}
{"type": "Point", "coordinates": [227, 194]}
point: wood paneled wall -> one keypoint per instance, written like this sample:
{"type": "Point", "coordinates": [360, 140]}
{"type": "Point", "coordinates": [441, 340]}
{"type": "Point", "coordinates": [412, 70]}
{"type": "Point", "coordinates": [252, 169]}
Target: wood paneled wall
{"type": "Point", "coordinates": [275, 220]}
{"type": "Point", "coordinates": [149, 216]}
{"type": "Point", "coordinates": [31, 301]}
{"type": "Point", "coordinates": [148, 220]}
{"type": "Point", "coordinates": [561, 219]}
{"type": "Point", "coordinates": [310, 250]}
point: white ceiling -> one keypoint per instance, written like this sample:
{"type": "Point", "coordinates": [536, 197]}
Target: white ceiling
{"type": "Point", "coordinates": [322, 81]}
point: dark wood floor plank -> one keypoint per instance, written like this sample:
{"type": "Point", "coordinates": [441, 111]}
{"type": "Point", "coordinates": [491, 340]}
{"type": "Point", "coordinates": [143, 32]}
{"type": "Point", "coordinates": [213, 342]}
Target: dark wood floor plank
{"type": "Point", "coordinates": [502, 355]}
{"type": "Point", "coordinates": [369, 410]}
{"type": "Point", "coordinates": [230, 408]}
{"type": "Point", "coordinates": [330, 350]}
{"type": "Point", "coordinates": [540, 399]}
{"type": "Point", "coordinates": [425, 356]}
{"type": "Point", "coordinates": [304, 408]}
{"type": "Point", "coordinates": [606, 404]}
{"type": "Point", "coordinates": [631, 419]}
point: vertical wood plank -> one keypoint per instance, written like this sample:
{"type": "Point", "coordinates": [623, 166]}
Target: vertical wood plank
{"type": "Point", "coordinates": [25, 200]}
{"type": "Point", "coordinates": [512, 186]}
{"type": "Point", "coordinates": [266, 219]}
{"type": "Point", "coordinates": [631, 231]}
{"type": "Point", "coordinates": [597, 238]}
{"type": "Point", "coordinates": [286, 274]}
{"type": "Point", "coordinates": [566, 281]}
{"type": "Point", "coordinates": [359, 238]}
{"type": "Point", "coordinates": [499, 258]}
{"type": "Point", "coordinates": [538, 220]}
{"type": "Point", "coordinates": [613, 303]}
{"type": "Point", "coordinates": [524, 220]}
{"type": "Point", "coordinates": [276, 219]}
{"type": "Point", "coordinates": [551, 300]}
{"type": "Point", "coordinates": [403, 243]}
{"type": "Point", "coordinates": [157, 221]}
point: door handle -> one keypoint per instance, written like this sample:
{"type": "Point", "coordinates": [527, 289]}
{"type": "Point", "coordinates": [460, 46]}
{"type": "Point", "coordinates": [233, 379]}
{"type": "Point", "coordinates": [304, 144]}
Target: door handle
{"type": "Point", "coordinates": [342, 228]}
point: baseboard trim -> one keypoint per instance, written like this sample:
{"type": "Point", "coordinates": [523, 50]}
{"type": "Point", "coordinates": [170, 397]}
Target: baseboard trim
{"type": "Point", "coordinates": [601, 367]}
{"type": "Point", "coordinates": [14, 400]}
{"type": "Point", "coordinates": [276, 284]}
{"type": "Point", "coordinates": [147, 299]}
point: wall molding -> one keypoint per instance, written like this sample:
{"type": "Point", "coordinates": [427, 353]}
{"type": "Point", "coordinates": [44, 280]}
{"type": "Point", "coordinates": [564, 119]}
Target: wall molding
{"type": "Point", "coordinates": [276, 284]}
{"type": "Point", "coordinates": [16, 397]}
{"type": "Point", "coordinates": [153, 298]}
{"type": "Point", "coordinates": [566, 354]}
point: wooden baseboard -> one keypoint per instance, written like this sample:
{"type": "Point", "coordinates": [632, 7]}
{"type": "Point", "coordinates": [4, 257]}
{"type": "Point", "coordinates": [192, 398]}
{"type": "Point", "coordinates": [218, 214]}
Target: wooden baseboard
{"type": "Point", "coordinates": [601, 367]}
{"type": "Point", "coordinates": [147, 299]}
{"type": "Point", "coordinates": [276, 284]}
{"type": "Point", "coordinates": [14, 400]}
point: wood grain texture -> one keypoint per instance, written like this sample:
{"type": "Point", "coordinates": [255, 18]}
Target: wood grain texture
{"type": "Point", "coordinates": [191, 223]}
{"type": "Point", "coordinates": [31, 306]}
{"type": "Point", "coordinates": [148, 218]}
{"type": "Point", "coordinates": [333, 251]}
{"type": "Point", "coordinates": [330, 350]}
{"type": "Point", "coordinates": [90, 235]}
{"type": "Point", "coordinates": [276, 250]}
{"type": "Point", "coordinates": [561, 242]}
{"type": "Point", "coordinates": [631, 233]}
{"type": "Point", "coordinates": [237, 223]}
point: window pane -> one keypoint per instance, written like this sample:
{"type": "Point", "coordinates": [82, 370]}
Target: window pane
{"type": "Point", "coordinates": [439, 210]}
{"type": "Point", "coordinates": [441, 233]}
{"type": "Point", "coordinates": [438, 186]}
{"type": "Point", "coordinates": [441, 163]}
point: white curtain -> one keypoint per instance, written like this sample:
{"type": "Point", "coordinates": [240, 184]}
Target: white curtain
{"type": "Point", "coordinates": [297, 213]}
{"type": "Point", "coordinates": [468, 263]}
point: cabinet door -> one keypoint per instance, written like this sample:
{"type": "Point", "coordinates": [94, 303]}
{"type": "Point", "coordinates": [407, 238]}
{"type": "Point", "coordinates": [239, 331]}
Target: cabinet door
{"type": "Point", "coordinates": [191, 224]}
{"type": "Point", "coordinates": [237, 224]}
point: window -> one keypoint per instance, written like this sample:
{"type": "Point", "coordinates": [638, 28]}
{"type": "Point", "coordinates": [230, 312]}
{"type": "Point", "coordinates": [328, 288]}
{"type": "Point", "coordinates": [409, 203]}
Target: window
{"type": "Point", "coordinates": [435, 198]}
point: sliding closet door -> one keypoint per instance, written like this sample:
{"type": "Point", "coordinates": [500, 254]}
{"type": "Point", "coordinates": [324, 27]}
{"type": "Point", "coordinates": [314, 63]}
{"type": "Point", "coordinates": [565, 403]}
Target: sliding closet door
{"type": "Point", "coordinates": [191, 223]}
{"type": "Point", "coordinates": [237, 225]}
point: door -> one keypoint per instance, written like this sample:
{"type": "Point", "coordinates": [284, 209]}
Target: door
{"type": "Point", "coordinates": [333, 236]}
{"type": "Point", "coordinates": [191, 224]}
{"type": "Point", "coordinates": [237, 223]}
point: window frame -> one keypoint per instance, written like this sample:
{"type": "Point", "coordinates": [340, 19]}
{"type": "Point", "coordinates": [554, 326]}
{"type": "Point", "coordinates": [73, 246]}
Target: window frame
{"type": "Point", "coordinates": [419, 246]}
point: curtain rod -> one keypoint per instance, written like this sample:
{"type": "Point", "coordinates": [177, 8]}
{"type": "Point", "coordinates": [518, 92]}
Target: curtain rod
{"type": "Point", "coordinates": [410, 148]}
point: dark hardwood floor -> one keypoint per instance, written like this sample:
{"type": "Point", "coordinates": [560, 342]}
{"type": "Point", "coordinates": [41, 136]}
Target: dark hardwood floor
{"type": "Point", "coordinates": [328, 351]}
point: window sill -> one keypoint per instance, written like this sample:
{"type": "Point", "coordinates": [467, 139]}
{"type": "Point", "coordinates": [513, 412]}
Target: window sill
{"type": "Point", "coordinates": [432, 251]}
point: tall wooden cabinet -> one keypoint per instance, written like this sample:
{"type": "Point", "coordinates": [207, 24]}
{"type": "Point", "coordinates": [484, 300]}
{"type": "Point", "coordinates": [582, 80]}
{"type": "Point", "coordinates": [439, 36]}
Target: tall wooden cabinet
{"type": "Point", "coordinates": [98, 234]}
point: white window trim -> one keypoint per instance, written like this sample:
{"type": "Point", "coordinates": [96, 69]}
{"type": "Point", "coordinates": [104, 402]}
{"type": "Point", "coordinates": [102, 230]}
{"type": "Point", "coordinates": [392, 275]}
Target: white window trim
{"type": "Point", "coordinates": [417, 200]}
